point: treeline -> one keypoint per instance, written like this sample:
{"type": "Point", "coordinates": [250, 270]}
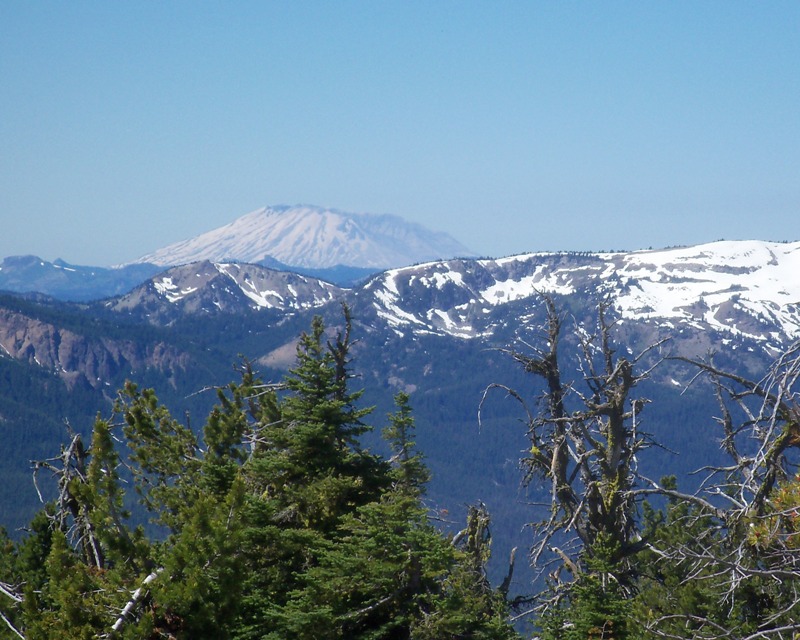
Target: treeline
{"type": "Point", "coordinates": [275, 522]}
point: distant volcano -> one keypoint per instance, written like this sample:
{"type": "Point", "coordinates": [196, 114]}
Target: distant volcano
{"type": "Point", "coordinates": [314, 237]}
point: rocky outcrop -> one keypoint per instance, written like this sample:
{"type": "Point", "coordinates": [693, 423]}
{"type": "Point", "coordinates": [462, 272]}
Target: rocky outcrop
{"type": "Point", "coordinates": [75, 357]}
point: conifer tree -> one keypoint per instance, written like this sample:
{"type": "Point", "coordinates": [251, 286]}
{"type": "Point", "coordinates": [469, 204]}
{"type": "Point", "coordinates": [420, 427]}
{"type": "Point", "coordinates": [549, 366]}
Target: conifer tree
{"type": "Point", "coordinates": [677, 597]}
{"type": "Point", "coordinates": [274, 524]}
{"type": "Point", "coordinates": [306, 473]}
{"type": "Point", "coordinates": [464, 604]}
{"type": "Point", "coordinates": [388, 573]}
{"type": "Point", "coordinates": [410, 472]}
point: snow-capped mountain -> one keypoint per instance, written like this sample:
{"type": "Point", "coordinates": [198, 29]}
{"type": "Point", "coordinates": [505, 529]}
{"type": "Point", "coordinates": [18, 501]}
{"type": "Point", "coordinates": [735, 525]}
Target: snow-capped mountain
{"type": "Point", "coordinates": [313, 237]}
{"type": "Point", "coordinates": [207, 287]}
{"type": "Point", "coordinates": [747, 290]}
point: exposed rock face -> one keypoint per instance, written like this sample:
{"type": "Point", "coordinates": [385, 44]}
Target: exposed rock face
{"type": "Point", "coordinates": [75, 357]}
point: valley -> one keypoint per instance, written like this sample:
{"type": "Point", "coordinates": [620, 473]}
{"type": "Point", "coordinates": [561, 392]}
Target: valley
{"type": "Point", "coordinates": [439, 331]}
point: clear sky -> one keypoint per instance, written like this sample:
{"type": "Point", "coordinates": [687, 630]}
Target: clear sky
{"type": "Point", "coordinates": [513, 126]}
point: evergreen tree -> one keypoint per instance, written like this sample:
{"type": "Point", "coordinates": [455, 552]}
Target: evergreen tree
{"type": "Point", "coordinates": [465, 605]}
{"type": "Point", "coordinates": [306, 473]}
{"type": "Point", "coordinates": [275, 524]}
{"type": "Point", "coordinates": [387, 573]}
{"type": "Point", "coordinates": [595, 606]}
{"type": "Point", "coordinates": [410, 472]}
{"type": "Point", "coordinates": [675, 595]}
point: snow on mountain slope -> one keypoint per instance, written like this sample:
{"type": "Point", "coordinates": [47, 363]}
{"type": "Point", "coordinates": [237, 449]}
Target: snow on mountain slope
{"type": "Point", "coordinates": [229, 287]}
{"type": "Point", "coordinates": [743, 291]}
{"type": "Point", "coordinates": [746, 289]}
{"type": "Point", "coordinates": [313, 237]}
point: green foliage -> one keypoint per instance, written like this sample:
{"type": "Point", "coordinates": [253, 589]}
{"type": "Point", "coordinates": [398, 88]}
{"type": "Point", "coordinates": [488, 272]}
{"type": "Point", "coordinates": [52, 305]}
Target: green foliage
{"type": "Point", "coordinates": [163, 453]}
{"type": "Point", "coordinates": [692, 595]}
{"type": "Point", "coordinates": [779, 528]}
{"type": "Point", "coordinates": [669, 587]}
{"type": "Point", "coordinates": [75, 599]}
{"type": "Point", "coordinates": [595, 605]}
{"type": "Point", "coordinates": [275, 523]}
{"type": "Point", "coordinates": [202, 569]}
{"type": "Point", "coordinates": [466, 606]}
{"type": "Point", "coordinates": [410, 473]}
{"type": "Point", "coordinates": [369, 579]}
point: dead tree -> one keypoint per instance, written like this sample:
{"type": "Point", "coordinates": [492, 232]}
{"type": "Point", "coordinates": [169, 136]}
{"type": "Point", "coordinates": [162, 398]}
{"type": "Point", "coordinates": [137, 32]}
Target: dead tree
{"type": "Point", "coordinates": [758, 439]}
{"type": "Point", "coordinates": [71, 513]}
{"type": "Point", "coordinates": [13, 593]}
{"type": "Point", "coordinates": [760, 435]}
{"type": "Point", "coordinates": [584, 440]}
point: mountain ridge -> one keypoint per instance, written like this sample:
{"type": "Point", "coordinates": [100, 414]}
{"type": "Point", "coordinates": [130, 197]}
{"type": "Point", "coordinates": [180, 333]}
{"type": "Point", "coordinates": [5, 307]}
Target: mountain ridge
{"type": "Point", "coordinates": [742, 288]}
{"type": "Point", "coordinates": [738, 289]}
{"type": "Point", "coordinates": [206, 287]}
{"type": "Point", "coordinates": [69, 282]}
{"type": "Point", "coordinates": [438, 329]}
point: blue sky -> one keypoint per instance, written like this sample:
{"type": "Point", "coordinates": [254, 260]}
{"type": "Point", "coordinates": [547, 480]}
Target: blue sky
{"type": "Point", "coordinates": [513, 126]}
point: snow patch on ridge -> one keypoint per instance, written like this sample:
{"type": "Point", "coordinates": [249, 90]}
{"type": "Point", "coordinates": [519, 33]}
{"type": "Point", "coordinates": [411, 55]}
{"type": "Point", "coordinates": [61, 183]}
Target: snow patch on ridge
{"type": "Point", "coordinates": [167, 288]}
{"type": "Point", "coordinates": [747, 289]}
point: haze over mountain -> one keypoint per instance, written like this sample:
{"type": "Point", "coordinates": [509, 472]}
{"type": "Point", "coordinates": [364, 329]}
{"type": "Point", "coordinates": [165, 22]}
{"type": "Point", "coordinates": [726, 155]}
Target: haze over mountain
{"type": "Point", "coordinates": [313, 237]}
{"type": "Point", "coordinates": [31, 274]}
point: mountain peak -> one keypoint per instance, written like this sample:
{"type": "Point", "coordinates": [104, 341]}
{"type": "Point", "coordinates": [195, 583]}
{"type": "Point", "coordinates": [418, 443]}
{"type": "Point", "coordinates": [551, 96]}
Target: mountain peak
{"type": "Point", "coordinates": [313, 237]}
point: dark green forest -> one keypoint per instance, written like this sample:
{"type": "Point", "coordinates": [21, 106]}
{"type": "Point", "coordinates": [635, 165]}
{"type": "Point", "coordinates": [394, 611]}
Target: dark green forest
{"type": "Point", "coordinates": [280, 517]}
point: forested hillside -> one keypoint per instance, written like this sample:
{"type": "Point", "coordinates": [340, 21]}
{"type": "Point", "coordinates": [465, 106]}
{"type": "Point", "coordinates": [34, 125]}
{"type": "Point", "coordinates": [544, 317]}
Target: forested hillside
{"type": "Point", "coordinates": [282, 516]}
{"type": "Point", "coordinates": [275, 524]}
{"type": "Point", "coordinates": [563, 403]}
